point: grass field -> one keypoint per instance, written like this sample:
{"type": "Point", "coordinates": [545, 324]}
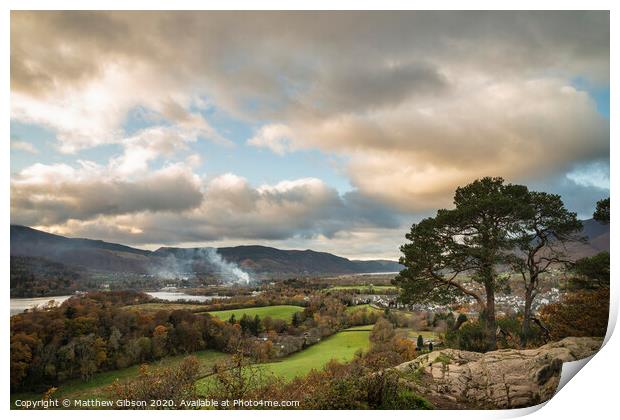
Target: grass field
{"type": "Point", "coordinates": [340, 346]}
{"type": "Point", "coordinates": [361, 307]}
{"type": "Point", "coordinates": [284, 312]}
{"type": "Point", "coordinates": [96, 387]}
{"type": "Point", "coordinates": [414, 334]}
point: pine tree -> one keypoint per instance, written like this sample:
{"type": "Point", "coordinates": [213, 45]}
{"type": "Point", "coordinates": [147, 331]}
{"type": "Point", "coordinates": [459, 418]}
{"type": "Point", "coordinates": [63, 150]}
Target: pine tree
{"type": "Point", "coordinates": [420, 343]}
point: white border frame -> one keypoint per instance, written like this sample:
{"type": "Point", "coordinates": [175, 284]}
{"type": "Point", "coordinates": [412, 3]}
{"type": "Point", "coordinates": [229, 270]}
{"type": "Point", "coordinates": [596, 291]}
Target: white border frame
{"type": "Point", "coordinates": [592, 395]}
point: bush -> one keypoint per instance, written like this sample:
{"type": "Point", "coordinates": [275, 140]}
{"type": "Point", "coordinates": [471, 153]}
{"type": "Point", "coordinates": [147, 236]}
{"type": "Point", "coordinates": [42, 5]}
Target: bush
{"type": "Point", "coordinates": [420, 343]}
{"type": "Point", "coordinates": [580, 314]}
{"type": "Point", "coordinates": [356, 385]}
{"type": "Point", "coordinates": [593, 272]}
{"type": "Point", "coordinates": [176, 384]}
{"type": "Point", "coordinates": [405, 399]}
{"type": "Point", "coordinates": [471, 337]}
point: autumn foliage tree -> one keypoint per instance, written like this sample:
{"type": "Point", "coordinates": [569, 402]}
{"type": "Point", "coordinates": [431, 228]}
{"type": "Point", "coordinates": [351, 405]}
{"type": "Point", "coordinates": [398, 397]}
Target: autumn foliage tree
{"type": "Point", "coordinates": [94, 333]}
{"type": "Point", "coordinates": [174, 384]}
{"type": "Point", "coordinates": [579, 314]}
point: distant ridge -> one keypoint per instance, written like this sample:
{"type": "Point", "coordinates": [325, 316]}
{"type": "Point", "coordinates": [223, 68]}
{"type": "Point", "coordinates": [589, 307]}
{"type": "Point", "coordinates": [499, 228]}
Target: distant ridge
{"type": "Point", "coordinates": [79, 252]}
{"type": "Point", "coordinates": [263, 259]}
{"type": "Point", "coordinates": [92, 254]}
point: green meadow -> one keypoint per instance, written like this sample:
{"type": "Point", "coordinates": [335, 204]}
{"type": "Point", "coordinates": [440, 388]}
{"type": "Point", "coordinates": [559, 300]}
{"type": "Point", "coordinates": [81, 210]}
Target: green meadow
{"type": "Point", "coordinates": [284, 312]}
{"type": "Point", "coordinates": [361, 307]}
{"type": "Point", "coordinates": [97, 386]}
{"type": "Point", "coordinates": [341, 346]}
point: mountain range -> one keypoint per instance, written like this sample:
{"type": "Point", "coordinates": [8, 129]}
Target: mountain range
{"type": "Point", "coordinates": [98, 255]}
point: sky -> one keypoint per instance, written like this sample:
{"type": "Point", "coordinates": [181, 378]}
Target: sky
{"type": "Point", "coordinates": [332, 131]}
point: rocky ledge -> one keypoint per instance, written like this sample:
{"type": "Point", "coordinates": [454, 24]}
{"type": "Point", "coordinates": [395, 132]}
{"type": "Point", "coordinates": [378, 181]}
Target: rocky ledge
{"type": "Point", "coordinates": [498, 379]}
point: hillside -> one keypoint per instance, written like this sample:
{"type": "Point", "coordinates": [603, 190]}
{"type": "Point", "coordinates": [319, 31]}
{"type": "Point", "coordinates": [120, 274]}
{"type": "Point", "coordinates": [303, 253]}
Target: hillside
{"type": "Point", "coordinates": [105, 256]}
{"type": "Point", "coordinates": [96, 255]}
{"type": "Point", "coordinates": [84, 253]}
{"type": "Point", "coordinates": [262, 259]}
{"type": "Point", "coordinates": [597, 236]}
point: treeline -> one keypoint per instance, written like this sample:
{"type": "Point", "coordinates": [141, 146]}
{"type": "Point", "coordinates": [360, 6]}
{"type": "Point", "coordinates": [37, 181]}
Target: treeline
{"type": "Point", "coordinates": [285, 297]}
{"type": "Point", "coordinates": [40, 277]}
{"type": "Point", "coordinates": [95, 332]}
{"type": "Point", "coordinates": [35, 277]}
{"type": "Point", "coordinates": [323, 316]}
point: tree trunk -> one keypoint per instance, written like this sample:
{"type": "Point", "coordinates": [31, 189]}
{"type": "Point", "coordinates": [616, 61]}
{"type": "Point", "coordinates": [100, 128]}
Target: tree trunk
{"type": "Point", "coordinates": [527, 313]}
{"type": "Point", "coordinates": [490, 319]}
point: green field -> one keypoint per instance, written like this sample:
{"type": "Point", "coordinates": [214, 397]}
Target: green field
{"type": "Point", "coordinates": [96, 387]}
{"type": "Point", "coordinates": [284, 312]}
{"type": "Point", "coordinates": [366, 306]}
{"type": "Point", "coordinates": [340, 346]}
{"type": "Point", "coordinates": [414, 334]}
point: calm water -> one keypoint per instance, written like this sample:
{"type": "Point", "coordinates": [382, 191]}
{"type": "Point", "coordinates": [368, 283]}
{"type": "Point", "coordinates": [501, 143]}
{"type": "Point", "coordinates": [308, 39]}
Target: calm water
{"type": "Point", "coordinates": [19, 305]}
{"type": "Point", "coordinates": [174, 296]}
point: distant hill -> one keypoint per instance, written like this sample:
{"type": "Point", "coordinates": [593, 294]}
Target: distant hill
{"type": "Point", "coordinates": [263, 259]}
{"type": "Point", "coordinates": [98, 255]}
{"type": "Point", "coordinates": [95, 255]}
{"type": "Point", "coordinates": [35, 276]}
{"type": "Point", "coordinates": [85, 253]}
{"type": "Point", "coordinates": [597, 235]}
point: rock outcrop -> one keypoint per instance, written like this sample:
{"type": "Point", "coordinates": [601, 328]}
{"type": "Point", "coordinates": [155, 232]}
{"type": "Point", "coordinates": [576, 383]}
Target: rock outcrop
{"type": "Point", "coordinates": [498, 379]}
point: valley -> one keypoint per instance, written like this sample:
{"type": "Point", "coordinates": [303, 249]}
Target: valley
{"type": "Point", "coordinates": [272, 330]}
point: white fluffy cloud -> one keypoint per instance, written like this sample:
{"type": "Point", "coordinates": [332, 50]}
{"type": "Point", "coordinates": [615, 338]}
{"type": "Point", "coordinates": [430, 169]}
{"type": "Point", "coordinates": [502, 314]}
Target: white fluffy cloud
{"type": "Point", "coordinates": [414, 155]}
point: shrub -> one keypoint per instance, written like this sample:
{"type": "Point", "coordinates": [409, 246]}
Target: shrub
{"type": "Point", "coordinates": [580, 314]}
{"type": "Point", "coordinates": [169, 383]}
{"type": "Point", "coordinates": [405, 399]}
{"type": "Point", "coordinates": [471, 336]}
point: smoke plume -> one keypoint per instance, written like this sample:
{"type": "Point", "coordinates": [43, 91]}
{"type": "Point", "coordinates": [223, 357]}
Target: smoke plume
{"type": "Point", "coordinates": [182, 263]}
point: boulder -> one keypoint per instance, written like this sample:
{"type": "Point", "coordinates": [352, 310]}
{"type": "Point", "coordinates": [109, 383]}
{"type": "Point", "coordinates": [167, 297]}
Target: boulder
{"type": "Point", "coordinates": [499, 379]}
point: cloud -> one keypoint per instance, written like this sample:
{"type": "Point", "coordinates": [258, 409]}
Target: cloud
{"type": "Point", "coordinates": [72, 71]}
{"type": "Point", "coordinates": [24, 146]}
{"type": "Point", "coordinates": [149, 144]}
{"type": "Point", "coordinates": [414, 103]}
{"type": "Point", "coordinates": [276, 137]}
{"type": "Point", "coordinates": [579, 192]}
{"type": "Point", "coordinates": [424, 149]}
{"type": "Point", "coordinates": [54, 194]}
{"type": "Point", "coordinates": [593, 174]}
{"type": "Point", "coordinates": [167, 208]}
{"type": "Point", "coordinates": [92, 112]}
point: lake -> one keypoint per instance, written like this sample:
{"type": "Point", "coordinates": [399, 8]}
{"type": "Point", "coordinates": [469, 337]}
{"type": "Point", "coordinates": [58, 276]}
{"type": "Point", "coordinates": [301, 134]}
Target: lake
{"type": "Point", "coordinates": [175, 296]}
{"type": "Point", "coordinates": [19, 305]}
